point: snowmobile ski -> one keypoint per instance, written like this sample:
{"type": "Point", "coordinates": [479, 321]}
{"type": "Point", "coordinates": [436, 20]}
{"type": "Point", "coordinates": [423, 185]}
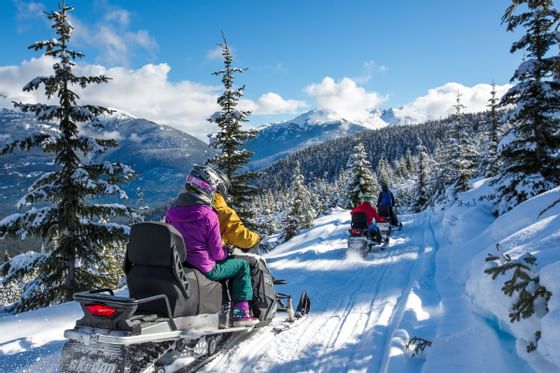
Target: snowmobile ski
{"type": "Point", "coordinates": [294, 317]}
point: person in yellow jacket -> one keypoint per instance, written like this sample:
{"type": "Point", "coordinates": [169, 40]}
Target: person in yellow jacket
{"type": "Point", "coordinates": [235, 233]}
{"type": "Point", "coordinates": [232, 229]}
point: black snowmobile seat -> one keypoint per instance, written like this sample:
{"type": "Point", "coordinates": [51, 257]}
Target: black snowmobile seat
{"type": "Point", "coordinates": [153, 265]}
{"type": "Point", "coordinates": [359, 220]}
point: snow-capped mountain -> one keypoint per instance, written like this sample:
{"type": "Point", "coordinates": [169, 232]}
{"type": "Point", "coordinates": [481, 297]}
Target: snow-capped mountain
{"type": "Point", "coordinates": [160, 154]}
{"type": "Point", "coordinates": [275, 141]}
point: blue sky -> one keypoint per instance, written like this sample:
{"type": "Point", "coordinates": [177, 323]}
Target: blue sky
{"type": "Point", "coordinates": [298, 52]}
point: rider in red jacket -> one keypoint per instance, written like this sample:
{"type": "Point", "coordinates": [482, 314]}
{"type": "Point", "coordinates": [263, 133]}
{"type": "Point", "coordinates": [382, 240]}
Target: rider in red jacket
{"type": "Point", "coordinates": [371, 213]}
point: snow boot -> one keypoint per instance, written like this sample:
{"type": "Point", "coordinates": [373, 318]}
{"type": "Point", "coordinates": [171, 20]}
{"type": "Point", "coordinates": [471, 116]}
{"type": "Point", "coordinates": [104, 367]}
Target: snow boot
{"type": "Point", "coordinates": [242, 316]}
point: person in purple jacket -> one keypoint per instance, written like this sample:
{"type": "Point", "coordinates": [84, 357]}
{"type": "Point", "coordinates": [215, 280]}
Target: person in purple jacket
{"type": "Point", "coordinates": [192, 214]}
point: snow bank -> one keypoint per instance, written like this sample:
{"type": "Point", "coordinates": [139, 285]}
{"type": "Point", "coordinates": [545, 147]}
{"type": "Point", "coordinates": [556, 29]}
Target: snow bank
{"type": "Point", "coordinates": [525, 229]}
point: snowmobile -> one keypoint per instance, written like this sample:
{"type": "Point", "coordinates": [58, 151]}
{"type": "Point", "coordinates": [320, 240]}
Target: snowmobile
{"type": "Point", "coordinates": [175, 319]}
{"type": "Point", "coordinates": [361, 239]}
{"type": "Point", "coordinates": [388, 222]}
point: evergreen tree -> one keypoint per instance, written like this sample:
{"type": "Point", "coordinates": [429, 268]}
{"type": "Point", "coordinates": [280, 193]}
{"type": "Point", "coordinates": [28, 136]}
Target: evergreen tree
{"type": "Point", "coordinates": [410, 162]}
{"type": "Point", "coordinates": [466, 152]}
{"type": "Point", "coordinates": [385, 173]}
{"type": "Point", "coordinates": [361, 179]}
{"type": "Point", "coordinates": [529, 154]}
{"type": "Point", "coordinates": [80, 243]}
{"type": "Point", "coordinates": [422, 194]}
{"type": "Point", "coordinates": [340, 198]}
{"type": "Point", "coordinates": [231, 138]}
{"type": "Point", "coordinates": [301, 212]}
{"type": "Point", "coordinates": [141, 207]}
{"type": "Point", "coordinates": [529, 296]}
{"type": "Point", "coordinates": [6, 257]}
{"type": "Point", "coordinates": [442, 178]}
{"type": "Point", "coordinates": [493, 134]}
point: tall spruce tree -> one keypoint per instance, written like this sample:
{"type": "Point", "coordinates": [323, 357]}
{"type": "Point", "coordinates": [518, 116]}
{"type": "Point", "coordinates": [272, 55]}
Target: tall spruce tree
{"type": "Point", "coordinates": [361, 179]}
{"type": "Point", "coordinates": [385, 174]}
{"type": "Point", "coordinates": [301, 212]}
{"type": "Point", "coordinates": [422, 193]}
{"type": "Point", "coordinates": [465, 162]}
{"type": "Point", "coordinates": [529, 154]}
{"type": "Point", "coordinates": [230, 139]}
{"type": "Point", "coordinates": [493, 133]}
{"type": "Point", "coordinates": [80, 242]}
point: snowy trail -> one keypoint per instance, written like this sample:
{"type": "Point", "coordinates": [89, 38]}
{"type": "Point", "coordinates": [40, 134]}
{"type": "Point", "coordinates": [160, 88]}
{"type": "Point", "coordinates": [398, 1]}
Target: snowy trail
{"type": "Point", "coordinates": [361, 309]}
{"type": "Point", "coordinates": [427, 283]}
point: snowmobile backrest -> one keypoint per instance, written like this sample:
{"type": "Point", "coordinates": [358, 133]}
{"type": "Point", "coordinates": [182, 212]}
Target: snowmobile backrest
{"type": "Point", "coordinates": [359, 220]}
{"type": "Point", "coordinates": [154, 266]}
{"type": "Point", "coordinates": [155, 244]}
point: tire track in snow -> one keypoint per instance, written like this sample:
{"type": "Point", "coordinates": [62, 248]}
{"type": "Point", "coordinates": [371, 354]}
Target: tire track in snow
{"type": "Point", "coordinates": [344, 333]}
{"type": "Point", "coordinates": [399, 307]}
{"type": "Point", "coordinates": [322, 329]}
{"type": "Point", "coordinates": [425, 264]}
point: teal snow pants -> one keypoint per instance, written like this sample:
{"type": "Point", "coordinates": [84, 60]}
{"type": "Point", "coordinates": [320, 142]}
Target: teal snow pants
{"type": "Point", "coordinates": [238, 271]}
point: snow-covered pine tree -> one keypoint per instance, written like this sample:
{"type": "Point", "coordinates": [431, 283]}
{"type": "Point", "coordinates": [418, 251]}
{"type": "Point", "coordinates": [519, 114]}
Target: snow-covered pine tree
{"type": "Point", "coordinates": [337, 196]}
{"type": "Point", "coordinates": [422, 194]}
{"type": "Point", "coordinates": [524, 288]}
{"type": "Point", "coordinates": [80, 242]}
{"type": "Point", "coordinates": [231, 138]}
{"type": "Point", "coordinates": [361, 179]}
{"type": "Point", "coordinates": [529, 153]}
{"type": "Point", "coordinates": [491, 164]}
{"type": "Point", "coordinates": [385, 174]}
{"type": "Point", "coordinates": [300, 214]}
{"type": "Point", "coordinates": [7, 257]}
{"type": "Point", "coordinates": [465, 163]}
{"type": "Point", "coordinates": [143, 210]}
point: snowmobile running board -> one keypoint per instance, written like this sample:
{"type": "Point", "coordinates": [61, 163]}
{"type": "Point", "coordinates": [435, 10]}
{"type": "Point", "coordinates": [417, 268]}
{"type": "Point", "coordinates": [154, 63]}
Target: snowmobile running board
{"type": "Point", "coordinates": [88, 335]}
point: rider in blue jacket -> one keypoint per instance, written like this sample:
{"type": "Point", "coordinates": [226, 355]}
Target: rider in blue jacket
{"type": "Point", "coordinates": [385, 203]}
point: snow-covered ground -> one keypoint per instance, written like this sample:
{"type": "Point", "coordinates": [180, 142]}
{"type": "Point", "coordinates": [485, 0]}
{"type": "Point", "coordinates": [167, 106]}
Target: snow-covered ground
{"type": "Point", "coordinates": [427, 283]}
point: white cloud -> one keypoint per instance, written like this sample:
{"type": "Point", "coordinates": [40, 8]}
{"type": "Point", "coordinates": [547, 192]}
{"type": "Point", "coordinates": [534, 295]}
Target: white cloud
{"type": "Point", "coordinates": [438, 102]}
{"type": "Point", "coordinates": [145, 93]}
{"type": "Point", "coordinates": [120, 16]}
{"type": "Point", "coordinates": [28, 12]}
{"type": "Point", "coordinates": [369, 68]}
{"type": "Point", "coordinates": [344, 99]}
{"type": "Point", "coordinates": [215, 53]}
{"type": "Point", "coordinates": [272, 103]}
{"type": "Point", "coordinates": [112, 37]}
{"type": "Point", "coordinates": [28, 9]}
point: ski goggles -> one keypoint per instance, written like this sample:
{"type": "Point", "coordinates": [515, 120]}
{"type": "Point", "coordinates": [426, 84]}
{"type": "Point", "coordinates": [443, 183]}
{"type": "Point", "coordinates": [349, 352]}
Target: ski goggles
{"type": "Point", "coordinates": [201, 184]}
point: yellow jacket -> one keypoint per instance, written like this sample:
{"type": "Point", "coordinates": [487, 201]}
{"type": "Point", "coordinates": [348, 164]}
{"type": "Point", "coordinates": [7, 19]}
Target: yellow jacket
{"type": "Point", "coordinates": [231, 228]}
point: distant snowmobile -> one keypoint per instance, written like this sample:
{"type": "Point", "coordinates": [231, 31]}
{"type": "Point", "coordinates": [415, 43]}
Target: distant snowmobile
{"type": "Point", "coordinates": [176, 319]}
{"type": "Point", "coordinates": [364, 241]}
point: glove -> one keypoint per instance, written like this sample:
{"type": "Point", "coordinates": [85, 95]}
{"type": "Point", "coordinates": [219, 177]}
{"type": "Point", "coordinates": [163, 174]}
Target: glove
{"type": "Point", "coordinates": [229, 249]}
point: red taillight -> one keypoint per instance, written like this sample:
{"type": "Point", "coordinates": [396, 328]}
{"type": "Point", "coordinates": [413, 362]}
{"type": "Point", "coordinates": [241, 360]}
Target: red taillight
{"type": "Point", "coordinates": [356, 232]}
{"type": "Point", "coordinates": [101, 310]}
{"type": "Point", "coordinates": [381, 220]}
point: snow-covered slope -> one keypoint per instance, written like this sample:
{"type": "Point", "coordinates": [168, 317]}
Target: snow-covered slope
{"type": "Point", "coordinates": [365, 311]}
{"type": "Point", "coordinates": [277, 140]}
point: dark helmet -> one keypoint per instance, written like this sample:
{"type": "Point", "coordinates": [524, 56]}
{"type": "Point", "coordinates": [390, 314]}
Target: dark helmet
{"type": "Point", "coordinates": [224, 185]}
{"type": "Point", "coordinates": [384, 187]}
{"type": "Point", "coordinates": [203, 179]}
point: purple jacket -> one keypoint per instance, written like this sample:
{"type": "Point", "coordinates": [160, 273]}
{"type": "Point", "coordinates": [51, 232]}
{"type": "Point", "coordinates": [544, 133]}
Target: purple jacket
{"type": "Point", "coordinates": [201, 231]}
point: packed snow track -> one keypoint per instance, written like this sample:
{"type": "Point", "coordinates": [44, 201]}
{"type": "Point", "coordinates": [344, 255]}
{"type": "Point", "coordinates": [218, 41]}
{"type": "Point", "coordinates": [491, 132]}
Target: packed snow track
{"type": "Point", "coordinates": [363, 309]}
